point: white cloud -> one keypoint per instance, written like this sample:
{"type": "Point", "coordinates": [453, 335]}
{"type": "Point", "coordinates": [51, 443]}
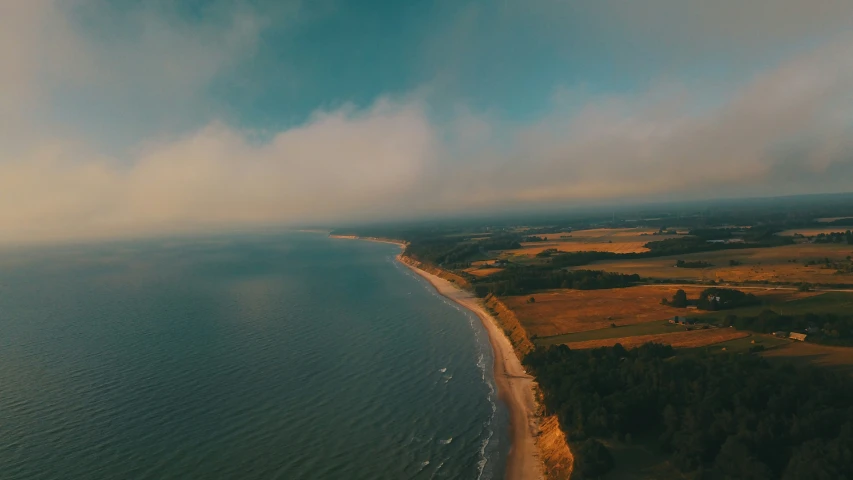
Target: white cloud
{"type": "Point", "coordinates": [787, 130]}
{"type": "Point", "coordinates": [340, 163]}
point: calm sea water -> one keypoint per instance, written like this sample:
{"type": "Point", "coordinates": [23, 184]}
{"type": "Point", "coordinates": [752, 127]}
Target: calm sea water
{"type": "Point", "coordinates": [289, 356]}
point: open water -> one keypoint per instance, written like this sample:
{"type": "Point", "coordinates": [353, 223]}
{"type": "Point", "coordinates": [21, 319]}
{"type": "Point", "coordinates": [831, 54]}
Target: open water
{"type": "Point", "coordinates": [287, 356]}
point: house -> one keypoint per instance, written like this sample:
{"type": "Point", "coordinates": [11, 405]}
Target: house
{"type": "Point", "coordinates": [499, 263]}
{"type": "Point", "coordinates": [798, 336]}
{"type": "Point", "coordinates": [780, 334]}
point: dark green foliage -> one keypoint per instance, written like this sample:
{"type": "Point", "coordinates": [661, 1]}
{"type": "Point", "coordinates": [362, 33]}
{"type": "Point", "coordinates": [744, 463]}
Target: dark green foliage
{"type": "Point", "coordinates": [835, 237]}
{"type": "Point", "coordinates": [725, 298]}
{"type": "Point", "coordinates": [827, 329]}
{"type": "Point", "coordinates": [731, 416]}
{"type": "Point", "coordinates": [693, 264]}
{"type": "Point", "coordinates": [679, 300]}
{"type": "Point", "coordinates": [592, 460]}
{"type": "Point", "coordinates": [522, 280]}
{"type": "Point", "coordinates": [451, 252]}
{"type": "Point", "coordinates": [715, 233]}
{"type": "Point", "coordinates": [684, 245]}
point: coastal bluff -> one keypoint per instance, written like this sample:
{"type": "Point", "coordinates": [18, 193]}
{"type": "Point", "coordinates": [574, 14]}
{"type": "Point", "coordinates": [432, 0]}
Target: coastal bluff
{"type": "Point", "coordinates": [509, 323]}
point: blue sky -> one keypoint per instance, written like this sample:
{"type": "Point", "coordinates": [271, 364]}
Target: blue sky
{"type": "Point", "coordinates": [130, 117]}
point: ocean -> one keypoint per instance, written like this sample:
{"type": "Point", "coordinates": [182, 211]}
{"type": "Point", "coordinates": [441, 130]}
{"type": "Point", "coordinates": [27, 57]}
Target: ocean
{"type": "Point", "coordinates": [276, 356]}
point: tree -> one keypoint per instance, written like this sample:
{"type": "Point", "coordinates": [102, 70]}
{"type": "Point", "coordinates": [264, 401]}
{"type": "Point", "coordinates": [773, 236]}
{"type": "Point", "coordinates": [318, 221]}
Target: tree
{"type": "Point", "coordinates": [679, 299]}
{"type": "Point", "coordinates": [592, 460]}
{"type": "Point", "coordinates": [736, 461]}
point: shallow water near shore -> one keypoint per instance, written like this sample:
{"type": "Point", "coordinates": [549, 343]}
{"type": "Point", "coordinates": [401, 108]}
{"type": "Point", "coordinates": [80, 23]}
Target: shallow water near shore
{"type": "Point", "coordinates": [247, 357]}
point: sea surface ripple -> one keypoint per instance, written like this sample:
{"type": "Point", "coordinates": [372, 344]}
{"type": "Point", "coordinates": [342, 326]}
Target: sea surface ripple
{"type": "Point", "coordinates": [288, 356]}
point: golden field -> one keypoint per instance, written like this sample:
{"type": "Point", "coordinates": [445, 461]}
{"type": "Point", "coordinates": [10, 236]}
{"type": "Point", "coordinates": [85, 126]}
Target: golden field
{"type": "Point", "coordinates": [482, 272]}
{"type": "Point", "coordinates": [532, 248]}
{"type": "Point", "coordinates": [757, 264]}
{"type": "Point", "coordinates": [616, 240]}
{"type": "Point", "coordinates": [685, 339]}
{"type": "Point", "coordinates": [565, 311]}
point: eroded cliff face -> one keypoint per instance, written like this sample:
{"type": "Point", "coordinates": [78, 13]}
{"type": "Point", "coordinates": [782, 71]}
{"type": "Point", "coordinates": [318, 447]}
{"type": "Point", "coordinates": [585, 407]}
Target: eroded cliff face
{"type": "Point", "coordinates": [438, 272]}
{"type": "Point", "coordinates": [508, 321]}
{"type": "Point", "coordinates": [554, 450]}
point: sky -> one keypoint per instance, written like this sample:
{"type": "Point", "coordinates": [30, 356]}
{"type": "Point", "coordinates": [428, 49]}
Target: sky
{"type": "Point", "coordinates": [131, 118]}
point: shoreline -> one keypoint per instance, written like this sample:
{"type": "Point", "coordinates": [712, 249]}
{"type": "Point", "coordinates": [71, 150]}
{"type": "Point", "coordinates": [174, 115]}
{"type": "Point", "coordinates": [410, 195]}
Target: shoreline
{"type": "Point", "coordinates": [514, 385]}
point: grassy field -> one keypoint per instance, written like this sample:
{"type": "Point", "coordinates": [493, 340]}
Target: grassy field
{"type": "Point", "coordinates": [743, 344]}
{"type": "Point", "coordinates": [532, 248]}
{"type": "Point", "coordinates": [638, 329]}
{"type": "Point", "coordinates": [570, 311]}
{"type": "Point", "coordinates": [792, 303]}
{"type": "Point", "coordinates": [800, 353]}
{"type": "Point", "coordinates": [482, 272]}
{"type": "Point", "coordinates": [564, 311]}
{"type": "Point", "coordinates": [616, 240]}
{"type": "Point", "coordinates": [682, 339]}
{"type": "Point", "coordinates": [785, 302]}
{"type": "Point", "coordinates": [786, 264]}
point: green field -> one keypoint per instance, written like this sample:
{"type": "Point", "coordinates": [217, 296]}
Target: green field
{"type": "Point", "coordinates": [740, 345]}
{"type": "Point", "coordinates": [839, 303]}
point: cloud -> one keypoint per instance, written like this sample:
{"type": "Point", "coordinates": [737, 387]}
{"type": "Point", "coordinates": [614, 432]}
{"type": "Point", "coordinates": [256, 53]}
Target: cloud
{"type": "Point", "coordinates": [789, 122]}
{"type": "Point", "coordinates": [690, 30]}
{"type": "Point", "coordinates": [86, 68]}
{"type": "Point", "coordinates": [340, 163]}
{"type": "Point", "coordinates": [787, 129]}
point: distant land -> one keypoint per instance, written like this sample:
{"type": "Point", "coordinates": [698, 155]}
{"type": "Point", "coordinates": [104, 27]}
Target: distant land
{"type": "Point", "coordinates": [744, 306]}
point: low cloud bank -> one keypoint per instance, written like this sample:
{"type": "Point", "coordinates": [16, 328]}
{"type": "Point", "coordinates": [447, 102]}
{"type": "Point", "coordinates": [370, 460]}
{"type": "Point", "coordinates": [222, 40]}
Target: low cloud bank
{"type": "Point", "coordinates": [787, 130]}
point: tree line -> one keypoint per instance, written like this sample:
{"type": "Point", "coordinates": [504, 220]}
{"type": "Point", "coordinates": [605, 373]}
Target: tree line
{"type": "Point", "coordinates": [835, 237]}
{"type": "Point", "coordinates": [715, 415]}
{"type": "Point", "coordinates": [828, 329]}
{"type": "Point", "coordinates": [713, 299]}
{"type": "Point", "coordinates": [523, 280]}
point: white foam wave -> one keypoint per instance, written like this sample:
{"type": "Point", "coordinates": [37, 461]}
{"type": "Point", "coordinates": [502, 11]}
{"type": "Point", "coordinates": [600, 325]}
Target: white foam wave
{"type": "Point", "coordinates": [477, 328]}
{"type": "Point", "coordinates": [445, 441]}
{"type": "Point", "coordinates": [435, 472]}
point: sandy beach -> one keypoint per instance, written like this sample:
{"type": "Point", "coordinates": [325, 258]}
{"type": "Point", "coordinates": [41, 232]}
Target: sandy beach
{"type": "Point", "coordinates": [515, 386]}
